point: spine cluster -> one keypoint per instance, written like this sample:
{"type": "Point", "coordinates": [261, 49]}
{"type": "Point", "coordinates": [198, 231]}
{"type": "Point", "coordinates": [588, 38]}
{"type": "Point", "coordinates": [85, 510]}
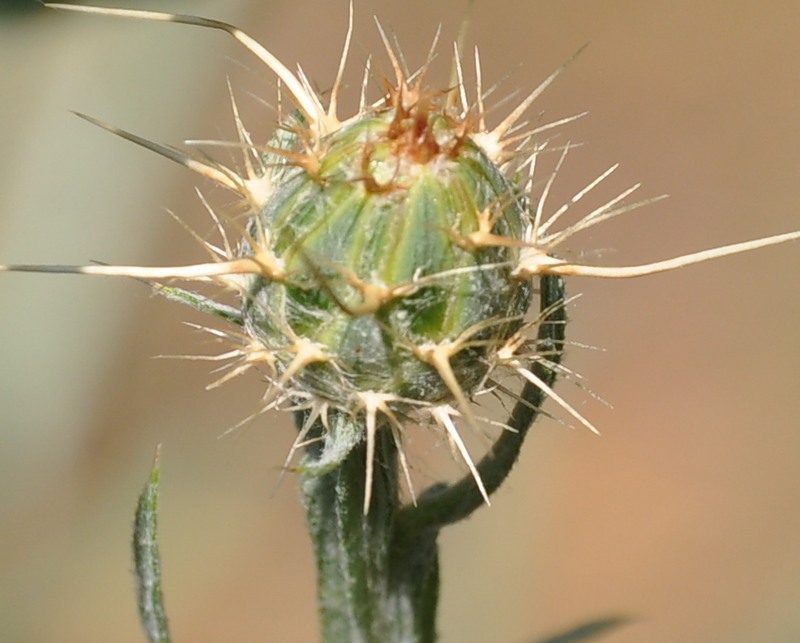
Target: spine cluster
{"type": "Point", "coordinates": [389, 257]}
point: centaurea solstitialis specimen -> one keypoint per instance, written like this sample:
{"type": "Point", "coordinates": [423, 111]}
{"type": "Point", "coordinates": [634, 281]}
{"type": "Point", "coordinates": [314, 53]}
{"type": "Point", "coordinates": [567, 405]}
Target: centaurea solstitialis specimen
{"type": "Point", "coordinates": [384, 267]}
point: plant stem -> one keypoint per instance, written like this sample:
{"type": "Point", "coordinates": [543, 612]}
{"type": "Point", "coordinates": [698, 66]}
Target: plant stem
{"type": "Point", "coordinates": [378, 573]}
{"type": "Point", "coordinates": [352, 548]}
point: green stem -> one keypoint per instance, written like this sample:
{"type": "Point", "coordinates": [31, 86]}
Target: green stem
{"type": "Point", "coordinates": [378, 574]}
{"type": "Point", "coordinates": [353, 548]}
{"type": "Point", "coordinates": [447, 504]}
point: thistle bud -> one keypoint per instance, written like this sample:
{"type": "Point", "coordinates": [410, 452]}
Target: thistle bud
{"type": "Point", "coordinates": [384, 288]}
{"type": "Point", "coordinates": [389, 257]}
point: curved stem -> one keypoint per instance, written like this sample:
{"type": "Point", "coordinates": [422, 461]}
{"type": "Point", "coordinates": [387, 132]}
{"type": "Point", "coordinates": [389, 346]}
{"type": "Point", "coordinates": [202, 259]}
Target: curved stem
{"type": "Point", "coordinates": [445, 505]}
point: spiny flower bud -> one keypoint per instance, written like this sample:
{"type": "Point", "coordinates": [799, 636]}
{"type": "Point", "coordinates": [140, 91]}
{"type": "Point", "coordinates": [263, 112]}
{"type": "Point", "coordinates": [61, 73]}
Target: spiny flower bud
{"type": "Point", "coordinates": [390, 257]}
{"type": "Point", "coordinates": [383, 289]}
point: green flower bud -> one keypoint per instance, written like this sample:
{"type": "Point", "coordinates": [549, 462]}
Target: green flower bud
{"type": "Point", "coordinates": [374, 234]}
{"type": "Point", "coordinates": [390, 257]}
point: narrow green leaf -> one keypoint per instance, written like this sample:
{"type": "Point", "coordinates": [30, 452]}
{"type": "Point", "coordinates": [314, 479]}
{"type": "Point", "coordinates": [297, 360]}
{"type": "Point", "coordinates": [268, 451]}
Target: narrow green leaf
{"type": "Point", "coordinates": [200, 303]}
{"type": "Point", "coordinates": [589, 630]}
{"type": "Point", "coordinates": [148, 560]}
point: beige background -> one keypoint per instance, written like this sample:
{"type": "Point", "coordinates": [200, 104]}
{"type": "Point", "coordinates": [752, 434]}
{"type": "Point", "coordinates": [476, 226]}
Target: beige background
{"type": "Point", "coordinates": [685, 514]}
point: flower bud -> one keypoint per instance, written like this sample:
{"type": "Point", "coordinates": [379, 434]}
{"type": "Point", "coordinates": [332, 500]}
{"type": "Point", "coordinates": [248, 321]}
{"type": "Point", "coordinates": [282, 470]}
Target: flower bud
{"type": "Point", "coordinates": [386, 288]}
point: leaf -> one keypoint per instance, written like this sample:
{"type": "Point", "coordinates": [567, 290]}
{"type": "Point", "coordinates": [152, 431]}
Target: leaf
{"type": "Point", "coordinates": [148, 560]}
{"type": "Point", "coordinates": [200, 303]}
{"type": "Point", "coordinates": [588, 630]}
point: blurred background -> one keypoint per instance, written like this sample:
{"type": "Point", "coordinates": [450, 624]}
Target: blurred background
{"type": "Point", "coordinates": [685, 514]}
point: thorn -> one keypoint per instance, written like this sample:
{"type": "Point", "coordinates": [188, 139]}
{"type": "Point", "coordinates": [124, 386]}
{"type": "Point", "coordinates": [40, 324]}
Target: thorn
{"type": "Point", "coordinates": [537, 219]}
{"type": "Point", "coordinates": [305, 352]}
{"type": "Point", "coordinates": [439, 357]}
{"type": "Point", "coordinates": [195, 272]}
{"type": "Point", "coordinates": [265, 408]}
{"type": "Point", "coordinates": [306, 102]}
{"type": "Point", "coordinates": [249, 356]}
{"type": "Point", "coordinates": [443, 417]}
{"type": "Point", "coordinates": [539, 264]}
{"type": "Point", "coordinates": [217, 223]}
{"type": "Point", "coordinates": [397, 435]}
{"type": "Point", "coordinates": [483, 237]}
{"type": "Point", "coordinates": [398, 70]}
{"type": "Point", "coordinates": [492, 141]}
{"type": "Point", "coordinates": [370, 437]}
{"type": "Point", "coordinates": [317, 409]}
{"type": "Point", "coordinates": [548, 390]}
{"type": "Point", "coordinates": [603, 213]}
{"type": "Point", "coordinates": [479, 92]}
{"type": "Point", "coordinates": [220, 175]}
{"type": "Point", "coordinates": [457, 81]}
{"type": "Point", "coordinates": [373, 296]}
{"type": "Point", "coordinates": [337, 84]}
{"type": "Point", "coordinates": [248, 148]}
{"type": "Point", "coordinates": [214, 253]}
{"type": "Point", "coordinates": [370, 402]}
{"type": "Point", "coordinates": [362, 100]}
{"type": "Point", "coordinates": [502, 129]}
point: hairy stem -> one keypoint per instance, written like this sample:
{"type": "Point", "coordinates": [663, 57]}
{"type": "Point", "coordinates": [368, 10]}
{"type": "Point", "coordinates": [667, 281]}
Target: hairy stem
{"type": "Point", "coordinates": [378, 571]}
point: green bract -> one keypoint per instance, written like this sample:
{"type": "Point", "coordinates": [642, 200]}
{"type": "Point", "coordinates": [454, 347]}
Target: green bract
{"type": "Point", "coordinates": [374, 236]}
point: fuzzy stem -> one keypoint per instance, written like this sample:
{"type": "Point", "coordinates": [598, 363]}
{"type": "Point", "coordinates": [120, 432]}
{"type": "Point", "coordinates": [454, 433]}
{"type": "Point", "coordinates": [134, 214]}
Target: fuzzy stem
{"type": "Point", "coordinates": [353, 548]}
{"type": "Point", "coordinates": [378, 572]}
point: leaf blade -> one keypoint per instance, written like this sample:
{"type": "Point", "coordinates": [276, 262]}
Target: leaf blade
{"type": "Point", "coordinates": [147, 559]}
